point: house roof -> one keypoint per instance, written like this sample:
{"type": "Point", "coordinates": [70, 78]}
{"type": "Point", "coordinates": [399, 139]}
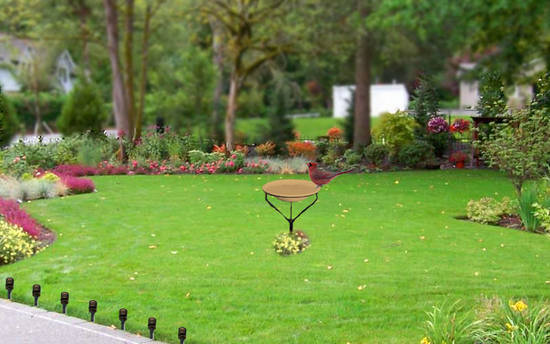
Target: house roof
{"type": "Point", "coordinates": [13, 49]}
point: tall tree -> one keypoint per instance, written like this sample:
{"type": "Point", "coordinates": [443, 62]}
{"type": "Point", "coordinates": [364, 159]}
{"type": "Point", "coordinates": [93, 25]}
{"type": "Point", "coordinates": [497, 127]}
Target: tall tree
{"type": "Point", "coordinates": [217, 60]}
{"type": "Point", "coordinates": [252, 30]}
{"type": "Point", "coordinates": [129, 61]}
{"type": "Point", "coordinates": [361, 132]}
{"type": "Point", "coordinates": [119, 92]}
{"type": "Point", "coordinates": [517, 33]}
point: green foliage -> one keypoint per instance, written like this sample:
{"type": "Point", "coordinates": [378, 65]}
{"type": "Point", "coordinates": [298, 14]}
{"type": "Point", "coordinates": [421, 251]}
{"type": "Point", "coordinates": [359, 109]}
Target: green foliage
{"type": "Point", "coordinates": [377, 154]}
{"type": "Point", "coordinates": [520, 147]}
{"type": "Point", "coordinates": [541, 100]}
{"type": "Point", "coordinates": [416, 154]}
{"type": "Point", "coordinates": [351, 157]}
{"type": "Point", "coordinates": [449, 324]}
{"type": "Point", "coordinates": [84, 110]}
{"type": "Point", "coordinates": [15, 244]}
{"type": "Point", "coordinates": [489, 210]}
{"type": "Point", "coordinates": [492, 101]}
{"type": "Point", "coordinates": [440, 142]}
{"type": "Point", "coordinates": [280, 128]}
{"type": "Point", "coordinates": [163, 146]}
{"type": "Point", "coordinates": [533, 193]}
{"type": "Point", "coordinates": [515, 323]}
{"type": "Point", "coordinates": [286, 244]}
{"type": "Point", "coordinates": [335, 150]}
{"type": "Point", "coordinates": [425, 102]}
{"type": "Point", "coordinates": [181, 89]}
{"type": "Point", "coordinates": [8, 121]}
{"type": "Point", "coordinates": [50, 107]}
{"type": "Point", "coordinates": [349, 122]}
{"type": "Point", "coordinates": [394, 130]}
{"type": "Point", "coordinates": [89, 155]}
{"type": "Point", "coordinates": [542, 214]}
{"type": "Point", "coordinates": [251, 103]}
{"type": "Point", "coordinates": [198, 157]}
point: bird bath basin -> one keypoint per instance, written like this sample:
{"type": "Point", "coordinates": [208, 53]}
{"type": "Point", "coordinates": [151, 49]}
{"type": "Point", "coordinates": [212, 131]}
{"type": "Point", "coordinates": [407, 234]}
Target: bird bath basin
{"type": "Point", "coordinates": [291, 190]}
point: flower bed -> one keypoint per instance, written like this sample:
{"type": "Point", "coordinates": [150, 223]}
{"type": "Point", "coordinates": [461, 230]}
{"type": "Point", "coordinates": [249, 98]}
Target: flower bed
{"type": "Point", "coordinates": [13, 214]}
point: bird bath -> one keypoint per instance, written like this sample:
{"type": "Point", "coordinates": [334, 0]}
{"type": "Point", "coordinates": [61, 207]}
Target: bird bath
{"type": "Point", "coordinates": [291, 190]}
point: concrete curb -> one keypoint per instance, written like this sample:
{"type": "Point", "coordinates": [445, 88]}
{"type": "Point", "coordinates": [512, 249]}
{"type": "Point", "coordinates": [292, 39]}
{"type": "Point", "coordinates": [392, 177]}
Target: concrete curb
{"type": "Point", "coordinates": [24, 324]}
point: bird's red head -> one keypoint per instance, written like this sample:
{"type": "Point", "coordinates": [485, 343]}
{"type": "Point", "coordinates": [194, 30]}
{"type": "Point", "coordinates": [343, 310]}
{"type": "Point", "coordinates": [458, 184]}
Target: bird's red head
{"type": "Point", "coordinates": [312, 165]}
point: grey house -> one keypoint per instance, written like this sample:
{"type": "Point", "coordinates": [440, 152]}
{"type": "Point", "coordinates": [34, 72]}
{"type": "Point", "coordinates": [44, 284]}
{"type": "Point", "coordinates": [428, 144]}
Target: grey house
{"type": "Point", "coordinates": [15, 53]}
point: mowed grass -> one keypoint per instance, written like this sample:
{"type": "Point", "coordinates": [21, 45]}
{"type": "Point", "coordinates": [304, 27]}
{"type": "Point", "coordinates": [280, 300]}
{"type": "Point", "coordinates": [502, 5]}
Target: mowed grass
{"type": "Point", "coordinates": [213, 269]}
{"type": "Point", "coordinates": [309, 128]}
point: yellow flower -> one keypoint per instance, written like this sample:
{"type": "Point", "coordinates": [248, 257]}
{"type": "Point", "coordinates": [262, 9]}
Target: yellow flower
{"type": "Point", "coordinates": [425, 340]}
{"type": "Point", "coordinates": [519, 306]}
{"type": "Point", "coordinates": [510, 327]}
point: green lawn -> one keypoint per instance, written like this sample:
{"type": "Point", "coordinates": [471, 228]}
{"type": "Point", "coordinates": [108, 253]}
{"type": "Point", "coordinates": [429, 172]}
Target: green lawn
{"type": "Point", "coordinates": [213, 269]}
{"type": "Point", "coordinates": [309, 128]}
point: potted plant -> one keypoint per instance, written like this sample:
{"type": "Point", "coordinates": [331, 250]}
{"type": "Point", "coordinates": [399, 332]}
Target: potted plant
{"type": "Point", "coordinates": [458, 158]}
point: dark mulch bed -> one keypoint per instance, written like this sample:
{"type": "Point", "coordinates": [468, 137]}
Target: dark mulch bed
{"type": "Point", "coordinates": [507, 221]}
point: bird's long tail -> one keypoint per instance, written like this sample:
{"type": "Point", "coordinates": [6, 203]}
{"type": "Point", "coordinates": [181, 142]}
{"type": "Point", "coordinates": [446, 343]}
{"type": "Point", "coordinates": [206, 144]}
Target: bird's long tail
{"type": "Point", "coordinates": [339, 173]}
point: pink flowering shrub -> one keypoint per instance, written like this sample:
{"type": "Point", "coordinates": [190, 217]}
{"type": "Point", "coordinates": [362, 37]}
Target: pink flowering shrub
{"type": "Point", "coordinates": [255, 167]}
{"type": "Point", "coordinates": [13, 214]}
{"type": "Point", "coordinates": [438, 125]}
{"type": "Point", "coordinates": [77, 185]}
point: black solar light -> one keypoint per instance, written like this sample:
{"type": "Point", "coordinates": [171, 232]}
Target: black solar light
{"type": "Point", "coordinates": [152, 325]}
{"type": "Point", "coordinates": [92, 308]}
{"type": "Point", "coordinates": [64, 301]}
{"type": "Point", "coordinates": [182, 334]}
{"type": "Point", "coordinates": [36, 293]}
{"type": "Point", "coordinates": [122, 315]}
{"type": "Point", "coordinates": [9, 286]}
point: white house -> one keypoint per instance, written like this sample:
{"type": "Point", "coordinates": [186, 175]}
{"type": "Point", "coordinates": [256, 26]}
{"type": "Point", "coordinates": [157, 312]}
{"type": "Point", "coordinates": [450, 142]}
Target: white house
{"type": "Point", "coordinates": [383, 98]}
{"type": "Point", "coordinates": [16, 53]}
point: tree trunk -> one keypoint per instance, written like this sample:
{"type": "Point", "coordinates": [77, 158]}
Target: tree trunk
{"type": "Point", "coordinates": [85, 50]}
{"type": "Point", "coordinates": [120, 103]}
{"type": "Point", "coordinates": [230, 113]}
{"type": "Point", "coordinates": [143, 76]}
{"type": "Point", "coordinates": [129, 61]}
{"type": "Point", "coordinates": [37, 113]}
{"type": "Point", "coordinates": [217, 59]}
{"type": "Point", "coordinates": [361, 133]}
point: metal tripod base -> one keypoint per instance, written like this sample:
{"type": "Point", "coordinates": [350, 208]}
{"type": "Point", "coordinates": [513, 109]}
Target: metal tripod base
{"type": "Point", "coordinates": [291, 219]}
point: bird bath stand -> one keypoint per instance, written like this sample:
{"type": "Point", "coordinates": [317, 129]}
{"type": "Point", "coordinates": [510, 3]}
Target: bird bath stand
{"type": "Point", "coordinates": [291, 190]}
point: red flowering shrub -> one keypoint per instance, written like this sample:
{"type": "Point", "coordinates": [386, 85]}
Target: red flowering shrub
{"type": "Point", "coordinates": [74, 170]}
{"type": "Point", "coordinates": [13, 214]}
{"type": "Point", "coordinates": [458, 156]}
{"type": "Point", "coordinates": [334, 133]}
{"type": "Point", "coordinates": [299, 148]}
{"type": "Point", "coordinates": [219, 149]}
{"type": "Point", "coordinates": [243, 149]}
{"type": "Point", "coordinates": [460, 125]}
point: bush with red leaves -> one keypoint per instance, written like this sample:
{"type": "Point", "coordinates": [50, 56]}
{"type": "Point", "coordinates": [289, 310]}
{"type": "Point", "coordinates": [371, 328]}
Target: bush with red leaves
{"type": "Point", "coordinates": [13, 214]}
